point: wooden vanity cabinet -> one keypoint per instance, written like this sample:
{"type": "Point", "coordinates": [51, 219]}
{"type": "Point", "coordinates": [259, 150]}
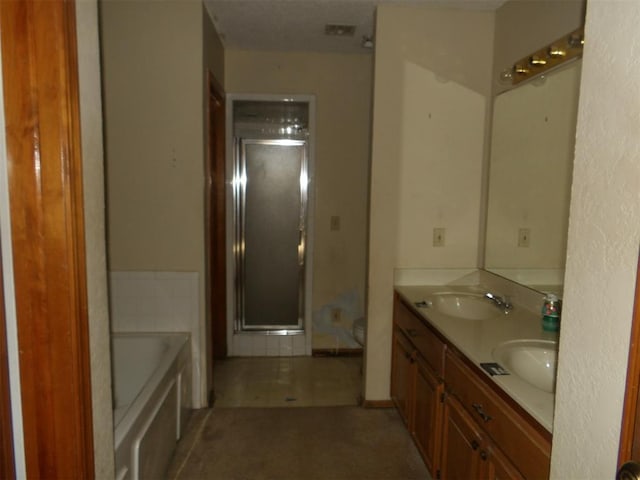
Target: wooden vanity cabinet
{"type": "Point", "coordinates": [461, 426]}
{"type": "Point", "coordinates": [416, 382]}
{"type": "Point", "coordinates": [521, 450]}
{"type": "Point", "coordinates": [467, 452]}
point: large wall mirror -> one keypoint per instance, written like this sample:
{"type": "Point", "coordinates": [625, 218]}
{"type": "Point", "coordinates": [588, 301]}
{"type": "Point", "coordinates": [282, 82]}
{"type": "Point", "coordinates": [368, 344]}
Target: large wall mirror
{"type": "Point", "coordinates": [531, 164]}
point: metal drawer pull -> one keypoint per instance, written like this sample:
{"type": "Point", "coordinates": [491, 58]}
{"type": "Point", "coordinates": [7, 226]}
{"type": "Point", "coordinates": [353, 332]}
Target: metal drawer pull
{"type": "Point", "coordinates": [478, 408]}
{"type": "Point", "coordinates": [412, 332]}
{"type": "Point", "coordinates": [483, 455]}
{"type": "Point", "coordinates": [474, 444]}
{"type": "Point", "coordinates": [423, 304]}
{"type": "Point", "coordinates": [629, 471]}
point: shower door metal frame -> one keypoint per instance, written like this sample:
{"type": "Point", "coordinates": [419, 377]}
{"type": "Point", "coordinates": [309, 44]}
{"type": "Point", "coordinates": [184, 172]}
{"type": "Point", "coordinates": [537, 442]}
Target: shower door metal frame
{"type": "Point", "coordinates": [246, 343]}
{"type": "Point", "coordinates": [239, 214]}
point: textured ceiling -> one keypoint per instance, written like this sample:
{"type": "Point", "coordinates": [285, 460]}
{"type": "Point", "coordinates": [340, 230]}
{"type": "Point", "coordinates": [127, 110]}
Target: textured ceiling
{"type": "Point", "coordinates": [298, 25]}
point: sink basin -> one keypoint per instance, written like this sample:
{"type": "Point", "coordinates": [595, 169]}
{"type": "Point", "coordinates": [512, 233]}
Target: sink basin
{"type": "Point", "coordinates": [469, 306]}
{"type": "Point", "coordinates": [534, 361]}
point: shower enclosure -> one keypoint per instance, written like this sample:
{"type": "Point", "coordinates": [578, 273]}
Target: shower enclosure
{"type": "Point", "coordinates": [270, 222]}
{"type": "Point", "coordinates": [270, 231]}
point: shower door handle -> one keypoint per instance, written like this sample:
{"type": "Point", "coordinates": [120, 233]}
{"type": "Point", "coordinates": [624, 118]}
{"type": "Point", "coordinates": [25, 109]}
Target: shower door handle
{"type": "Point", "coordinates": [301, 246]}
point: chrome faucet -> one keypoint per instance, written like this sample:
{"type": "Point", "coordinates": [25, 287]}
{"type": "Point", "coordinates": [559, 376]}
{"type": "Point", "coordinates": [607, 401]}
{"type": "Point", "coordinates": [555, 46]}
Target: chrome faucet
{"type": "Point", "coordinates": [500, 302]}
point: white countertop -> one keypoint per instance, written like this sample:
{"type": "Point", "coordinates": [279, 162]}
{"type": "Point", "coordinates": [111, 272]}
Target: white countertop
{"type": "Point", "coordinates": [476, 339]}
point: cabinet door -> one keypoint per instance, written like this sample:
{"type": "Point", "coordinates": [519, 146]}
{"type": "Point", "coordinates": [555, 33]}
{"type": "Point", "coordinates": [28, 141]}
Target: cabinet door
{"type": "Point", "coordinates": [402, 375]}
{"type": "Point", "coordinates": [427, 414]}
{"type": "Point", "coordinates": [499, 467]}
{"type": "Point", "coordinates": [461, 442]}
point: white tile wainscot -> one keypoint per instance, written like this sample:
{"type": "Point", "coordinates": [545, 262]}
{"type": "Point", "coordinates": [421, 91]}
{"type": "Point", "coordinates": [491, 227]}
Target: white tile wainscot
{"type": "Point", "coordinates": [264, 345]}
{"type": "Point", "coordinates": [160, 302]}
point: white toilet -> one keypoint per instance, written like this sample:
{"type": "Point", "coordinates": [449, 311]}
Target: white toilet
{"type": "Point", "coordinates": [358, 330]}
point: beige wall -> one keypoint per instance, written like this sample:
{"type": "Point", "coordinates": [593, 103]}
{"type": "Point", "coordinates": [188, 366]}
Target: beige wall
{"type": "Point", "coordinates": [94, 202]}
{"type": "Point", "coordinates": [152, 61]}
{"type": "Point", "coordinates": [432, 80]}
{"type": "Point", "coordinates": [212, 49]}
{"type": "Point", "coordinates": [604, 233]}
{"type": "Point", "coordinates": [342, 86]}
{"type": "Point", "coordinates": [155, 56]}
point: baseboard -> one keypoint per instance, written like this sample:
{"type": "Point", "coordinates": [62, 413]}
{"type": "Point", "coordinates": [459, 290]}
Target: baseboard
{"type": "Point", "coordinates": [378, 404]}
{"type": "Point", "coordinates": [340, 352]}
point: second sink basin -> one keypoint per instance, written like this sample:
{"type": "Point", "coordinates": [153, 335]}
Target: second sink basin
{"type": "Point", "coordinates": [469, 306]}
{"type": "Point", "coordinates": [534, 361]}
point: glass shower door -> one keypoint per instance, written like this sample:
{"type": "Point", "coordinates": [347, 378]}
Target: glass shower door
{"type": "Point", "coordinates": [270, 234]}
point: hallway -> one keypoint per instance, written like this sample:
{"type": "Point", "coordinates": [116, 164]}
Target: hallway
{"type": "Point", "coordinates": [322, 435]}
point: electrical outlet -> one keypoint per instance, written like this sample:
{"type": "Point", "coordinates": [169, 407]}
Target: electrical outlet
{"type": "Point", "coordinates": [524, 237]}
{"type": "Point", "coordinates": [335, 223]}
{"type": "Point", "coordinates": [438, 237]}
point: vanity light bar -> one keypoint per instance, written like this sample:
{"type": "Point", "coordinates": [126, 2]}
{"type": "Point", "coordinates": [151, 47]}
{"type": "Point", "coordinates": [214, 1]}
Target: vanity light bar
{"type": "Point", "coordinates": [564, 49]}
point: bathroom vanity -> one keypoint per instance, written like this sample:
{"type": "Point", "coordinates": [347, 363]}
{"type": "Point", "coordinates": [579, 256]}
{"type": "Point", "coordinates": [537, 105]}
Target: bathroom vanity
{"type": "Point", "coordinates": [470, 421]}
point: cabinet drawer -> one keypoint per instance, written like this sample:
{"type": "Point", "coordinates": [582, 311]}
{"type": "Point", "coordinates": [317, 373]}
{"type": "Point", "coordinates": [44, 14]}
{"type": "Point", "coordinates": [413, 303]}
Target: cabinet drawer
{"type": "Point", "coordinates": [426, 342]}
{"type": "Point", "coordinates": [526, 448]}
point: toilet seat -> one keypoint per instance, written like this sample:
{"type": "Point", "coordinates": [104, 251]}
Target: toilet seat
{"type": "Point", "coordinates": [358, 331]}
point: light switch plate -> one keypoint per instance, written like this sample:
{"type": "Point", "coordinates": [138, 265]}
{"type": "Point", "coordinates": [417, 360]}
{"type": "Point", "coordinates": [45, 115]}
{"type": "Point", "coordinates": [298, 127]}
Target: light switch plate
{"type": "Point", "coordinates": [524, 237]}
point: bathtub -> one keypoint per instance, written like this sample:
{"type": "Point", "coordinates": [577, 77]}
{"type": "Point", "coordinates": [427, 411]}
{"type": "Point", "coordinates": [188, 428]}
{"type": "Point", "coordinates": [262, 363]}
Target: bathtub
{"type": "Point", "coordinates": [151, 396]}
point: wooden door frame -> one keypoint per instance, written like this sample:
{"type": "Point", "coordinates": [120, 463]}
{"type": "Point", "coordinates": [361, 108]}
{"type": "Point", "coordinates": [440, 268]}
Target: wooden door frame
{"type": "Point", "coordinates": [215, 212]}
{"type": "Point", "coordinates": [40, 78]}
{"type": "Point", "coordinates": [631, 411]}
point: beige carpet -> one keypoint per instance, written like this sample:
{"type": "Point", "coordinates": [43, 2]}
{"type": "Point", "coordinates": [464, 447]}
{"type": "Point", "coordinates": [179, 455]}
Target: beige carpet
{"type": "Point", "coordinates": [337, 443]}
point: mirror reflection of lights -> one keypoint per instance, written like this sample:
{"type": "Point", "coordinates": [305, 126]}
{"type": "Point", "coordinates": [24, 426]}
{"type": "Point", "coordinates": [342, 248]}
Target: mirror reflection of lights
{"type": "Point", "coordinates": [553, 55]}
{"type": "Point", "coordinates": [537, 61]}
{"type": "Point", "coordinates": [555, 52]}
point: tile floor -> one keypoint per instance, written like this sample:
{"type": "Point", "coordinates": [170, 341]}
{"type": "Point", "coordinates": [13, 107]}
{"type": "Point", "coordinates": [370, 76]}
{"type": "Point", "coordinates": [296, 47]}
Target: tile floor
{"type": "Point", "coordinates": [288, 381]}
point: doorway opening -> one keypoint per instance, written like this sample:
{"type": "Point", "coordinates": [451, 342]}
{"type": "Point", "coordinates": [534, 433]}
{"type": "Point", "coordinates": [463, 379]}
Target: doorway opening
{"type": "Point", "coordinates": [215, 220]}
{"type": "Point", "coordinates": [270, 165]}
